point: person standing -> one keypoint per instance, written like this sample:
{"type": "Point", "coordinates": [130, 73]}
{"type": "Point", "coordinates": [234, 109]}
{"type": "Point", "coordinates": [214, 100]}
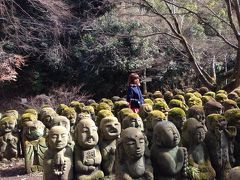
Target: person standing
{"type": "Point", "coordinates": [134, 94]}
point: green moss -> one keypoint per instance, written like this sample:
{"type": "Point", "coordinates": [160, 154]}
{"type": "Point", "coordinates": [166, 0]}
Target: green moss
{"type": "Point", "coordinates": [220, 97]}
{"type": "Point", "coordinates": [95, 106]}
{"type": "Point", "coordinates": [32, 111]}
{"type": "Point", "coordinates": [161, 106]}
{"type": "Point", "coordinates": [108, 101]}
{"type": "Point", "coordinates": [197, 94]}
{"type": "Point", "coordinates": [88, 109]}
{"type": "Point", "coordinates": [179, 97]}
{"type": "Point", "coordinates": [156, 114]}
{"type": "Point", "coordinates": [232, 116]}
{"type": "Point", "coordinates": [120, 105]}
{"type": "Point", "coordinates": [221, 91]}
{"type": "Point", "coordinates": [60, 108]}
{"type": "Point", "coordinates": [103, 105]}
{"type": "Point", "coordinates": [148, 101]}
{"type": "Point", "coordinates": [67, 112]}
{"type": "Point", "coordinates": [77, 106]}
{"type": "Point", "coordinates": [102, 114]}
{"type": "Point", "coordinates": [177, 103]}
{"type": "Point", "coordinates": [123, 113]}
{"type": "Point", "coordinates": [176, 112]}
{"type": "Point", "coordinates": [214, 117]}
{"type": "Point", "coordinates": [194, 101]}
{"type": "Point", "coordinates": [188, 96]}
{"type": "Point", "coordinates": [205, 99]}
{"type": "Point", "coordinates": [210, 93]}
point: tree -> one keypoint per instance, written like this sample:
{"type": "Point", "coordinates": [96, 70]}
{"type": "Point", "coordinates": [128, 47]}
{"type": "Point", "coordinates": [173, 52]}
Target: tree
{"type": "Point", "coordinates": [218, 19]}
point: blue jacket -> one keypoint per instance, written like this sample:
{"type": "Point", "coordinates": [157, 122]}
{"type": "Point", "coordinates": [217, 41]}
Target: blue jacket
{"type": "Point", "coordinates": [134, 92]}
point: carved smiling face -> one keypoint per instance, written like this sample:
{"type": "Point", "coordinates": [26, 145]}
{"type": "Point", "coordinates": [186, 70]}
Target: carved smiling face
{"type": "Point", "coordinates": [7, 124]}
{"type": "Point", "coordinates": [110, 128]}
{"type": "Point", "coordinates": [86, 134]}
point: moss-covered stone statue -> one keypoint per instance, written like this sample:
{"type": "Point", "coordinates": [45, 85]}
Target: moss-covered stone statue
{"type": "Point", "coordinates": [144, 110]}
{"type": "Point", "coordinates": [178, 117]}
{"type": "Point", "coordinates": [119, 105]}
{"type": "Point", "coordinates": [229, 104]}
{"type": "Point", "coordinates": [232, 96]}
{"type": "Point", "coordinates": [77, 106]}
{"type": "Point", "coordinates": [110, 130]}
{"type": "Point", "coordinates": [198, 113]}
{"type": "Point", "coordinates": [60, 108]}
{"type": "Point", "coordinates": [198, 157]}
{"type": "Point", "coordinates": [87, 154]}
{"type": "Point", "coordinates": [177, 103]}
{"type": "Point", "coordinates": [123, 113]}
{"type": "Point", "coordinates": [46, 115]}
{"type": "Point", "coordinates": [168, 95]}
{"type": "Point", "coordinates": [34, 146]}
{"type": "Point", "coordinates": [161, 106]}
{"type": "Point", "coordinates": [102, 114]}
{"type": "Point", "coordinates": [233, 118]}
{"type": "Point", "coordinates": [133, 120]}
{"type": "Point", "coordinates": [153, 118]}
{"type": "Point", "coordinates": [71, 114]}
{"type": "Point", "coordinates": [194, 101]}
{"type": "Point", "coordinates": [58, 158]}
{"type": "Point", "coordinates": [168, 160]}
{"type": "Point", "coordinates": [8, 140]}
{"type": "Point", "coordinates": [131, 161]}
{"type": "Point", "coordinates": [220, 97]}
{"type": "Point", "coordinates": [219, 144]}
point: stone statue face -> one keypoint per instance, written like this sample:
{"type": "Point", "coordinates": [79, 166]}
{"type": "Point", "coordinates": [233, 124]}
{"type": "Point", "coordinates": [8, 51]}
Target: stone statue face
{"type": "Point", "coordinates": [57, 138]}
{"type": "Point", "coordinates": [87, 135]}
{"type": "Point", "coordinates": [133, 143]}
{"type": "Point", "coordinates": [199, 135]}
{"type": "Point", "coordinates": [179, 122]}
{"type": "Point", "coordinates": [110, 128]}
{"type": "Point", "coordinates": [61, 121]}
{"type": "Point", "coordinates": [166, 134]}
{"type": "Point", "coordinates": [34, 130]}
{"type": "Point", "coordinates": [7, 125]}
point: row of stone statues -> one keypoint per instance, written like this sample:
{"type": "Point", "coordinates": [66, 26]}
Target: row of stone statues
{"type": "Point", "coordinates": [170, 138]}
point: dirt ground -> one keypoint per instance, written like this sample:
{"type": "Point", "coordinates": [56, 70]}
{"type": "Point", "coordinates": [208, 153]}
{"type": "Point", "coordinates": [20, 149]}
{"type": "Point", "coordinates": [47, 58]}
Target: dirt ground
{"type": "Point", "coordinates": [15, 170]}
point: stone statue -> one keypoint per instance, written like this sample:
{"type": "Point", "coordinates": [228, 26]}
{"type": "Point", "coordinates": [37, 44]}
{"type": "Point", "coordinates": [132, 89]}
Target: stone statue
{"type": "Point", "coordinates": [198, 157]}
{"type": "Point", "coordinates": [219, 144]}
{"type": "Point", "coordinates": [87, 154]}
{"type": "Point", "coordinates": [71, 114]}
{"type": "Point", "coordinates": [58, 157]}
{"type": "Point", "coordinates": [213, 107]}
{"type": "Point", "coordinates": [133, 120]}
{"type": "Point", "coordinates": [8, 140]}
{"type": "Point", "coordinates": [110, 130]}
{"type": "Point", "coordinates": [233, 118]}
{"type": "Point", "coordinates": [234, 174]}
{"type": "Point", "coordinates": [131, 162]}
{"type": "Point", "coordinates": [34, 146]}
{"type": "Point", "coordinates": [169, 161]}
{"type": "Point", "coordinates": [123, 113]}
{"type": "Point", "coordinates": [46, 116]}
{"type": "Point", "coordinates": [153, 118]}
{"type": "Point", "coordinates": [178, 117]}
{"type": "Point", "coordinates": [198, 113]}
{"type": "Point", "coordinates": [64, 121]}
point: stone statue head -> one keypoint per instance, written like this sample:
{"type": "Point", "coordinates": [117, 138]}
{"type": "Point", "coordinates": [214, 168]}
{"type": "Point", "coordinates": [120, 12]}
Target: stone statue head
{"type": "Point", "coordinates": [233, 117]}
{"type": "Point", "coordinates": [177, 116]}
{"type": "Point", "coordinates": [166, 135]}
{"type": "Point", "coordinates": [61, 121]}
{"type": "Point", "coordinates": [27, 117]}
{"type": "Point", "coordinates": [133, 120]}
{"type": "Point", "coordinates": [234, 174]}
{"type": "Point", "coordinates": [46, 116]}
{"type": "Point", "coordinates": [153, 118]}
{"type": "Point", "coordinates": [196, 112]}
{"type": "Point", "coordinates": [194, 101]}
{"type": "Point", "coordinates": [60, 108]}
{"type": "Point", "coordinates": [33, 130]}
{"type": "Point", "coordinates": [57, 138]}
{"type": "Point", "coordinates": [144, 110]}
{"type": "Point", "coordinates": [71, 114]}
{"type": "Point", "coordinates": [216, 121]}
{"type": "Point", "coordinates": [110, 128]}
{"type": "Point", "coordinates": [131, 144]}
{"type": "Point", "coordinates": [7, 124]}
{"type": "Point", "coordinates": [220, 97]}
{"type": "Point", "coordinates": [193, 132]}
{"type": "Point", "coordinates": [213, 107]}
{"type": "Point", "coordinates": [86, 134]}
{"type": "Point", "coordinates": [123, 113]}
